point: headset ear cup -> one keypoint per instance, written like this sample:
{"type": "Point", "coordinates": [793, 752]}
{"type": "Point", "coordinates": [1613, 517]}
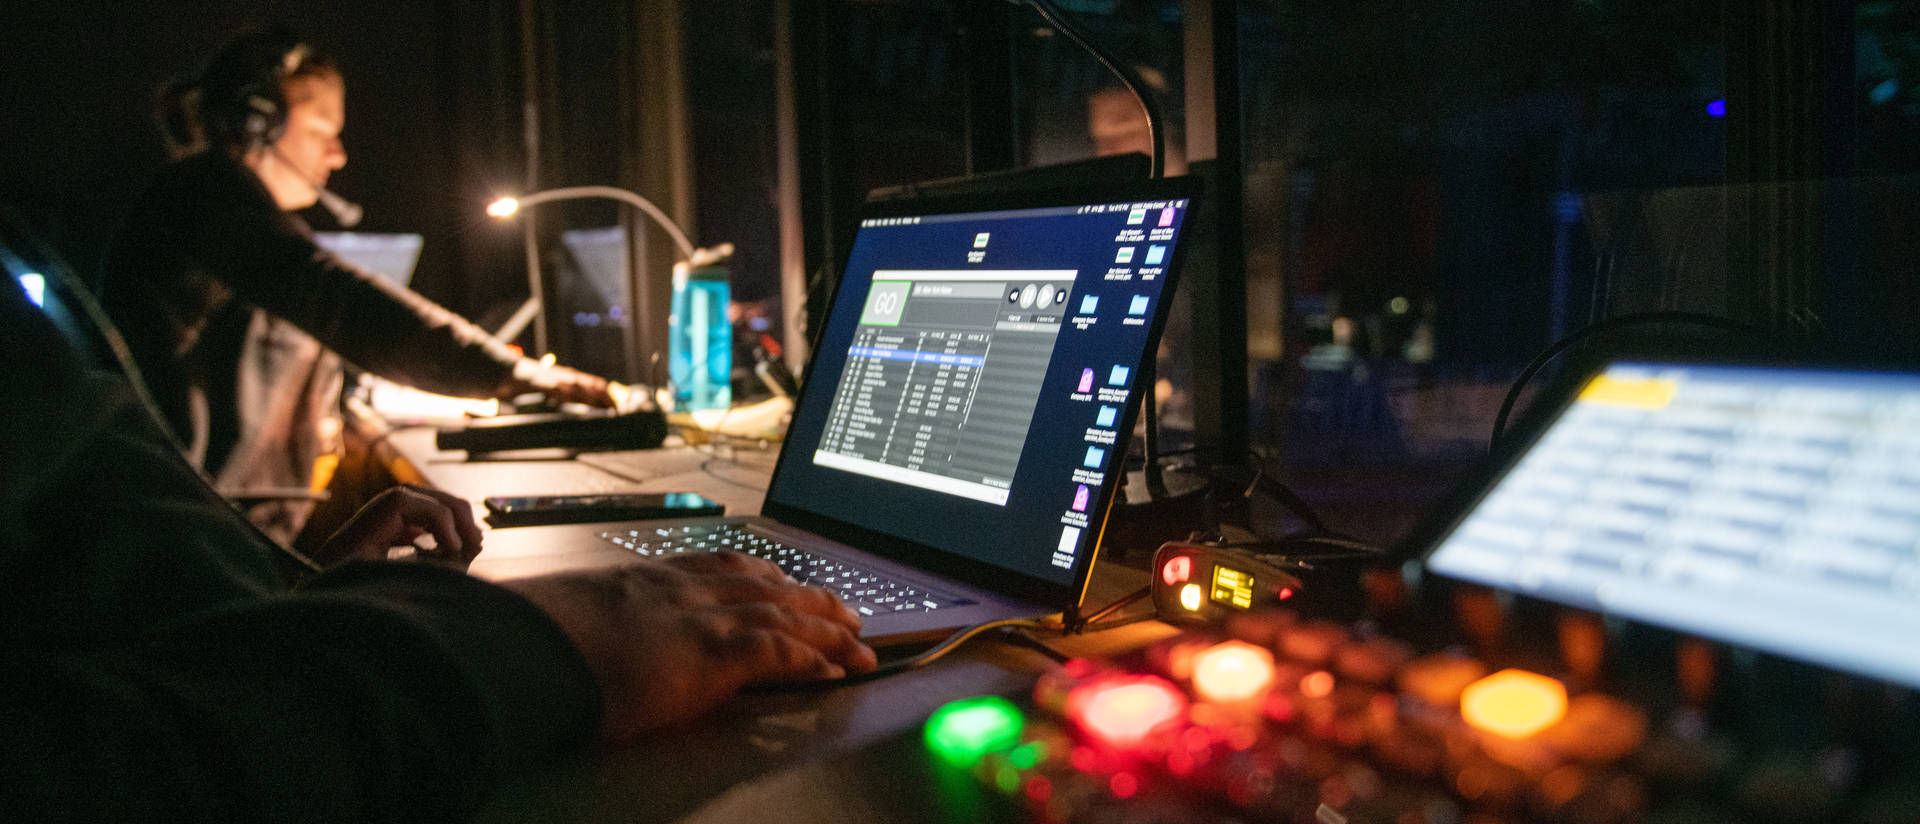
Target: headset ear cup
{"type": "Point", "coordinates": [264, 123]}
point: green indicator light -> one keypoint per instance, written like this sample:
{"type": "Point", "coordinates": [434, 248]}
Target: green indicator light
{"type": "Point", "coordinates": [963, 731]}
{"type": "Point", "coordinates": [1026, 755]}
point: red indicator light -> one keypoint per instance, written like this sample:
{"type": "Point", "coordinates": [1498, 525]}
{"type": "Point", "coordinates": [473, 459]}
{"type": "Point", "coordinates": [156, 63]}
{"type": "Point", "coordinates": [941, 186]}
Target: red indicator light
{"type": "Point", "coordinates": [1178, 568]}
{"type": "Point", "coordinates": [1123, 785]}
{"type": "Point", "coordinates": [1039, 788]}
{"type": "Point", "coordinates": [1285, 593]}
{"type": "Point", "coordinates": [1121, 712]}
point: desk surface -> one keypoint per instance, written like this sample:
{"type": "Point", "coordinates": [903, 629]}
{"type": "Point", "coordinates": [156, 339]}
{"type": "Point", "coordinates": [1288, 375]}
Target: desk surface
{"type": "Point", "coordinates": [833, 756]}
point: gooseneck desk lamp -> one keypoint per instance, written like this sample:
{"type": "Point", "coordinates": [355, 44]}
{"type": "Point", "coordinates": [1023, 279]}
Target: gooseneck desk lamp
{"type": "Point", "coordinates": [708, 334]}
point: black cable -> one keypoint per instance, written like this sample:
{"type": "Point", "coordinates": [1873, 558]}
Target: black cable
{"type": "Point", "coordinates": [1284, 494]}
{"type": "Point", "coordinates": [706, 466]}
{"type": "Point", "coordinates": [1039, 646]}
{"type": "Point", "coordinates": [1152, 110]}
{"type": "Point", "coordinates": [1084, 623]}
{"type": "Point", "coordinates": [1547, 355]}
{"type": "Point", "coordinates": [963, 635]}
{"type": "Point", "coordinates": [931, 654]}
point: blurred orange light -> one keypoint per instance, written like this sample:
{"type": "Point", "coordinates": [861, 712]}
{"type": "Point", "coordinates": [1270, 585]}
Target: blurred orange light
{"type": "Point", "coordinates": [1123, 712]}
{"type": "Point", "coordinates": [1232, 671]}
{"type": "Point", "coordinates": [1514, 703]}
{"type": "Point", "coordinates": [1317, 684]}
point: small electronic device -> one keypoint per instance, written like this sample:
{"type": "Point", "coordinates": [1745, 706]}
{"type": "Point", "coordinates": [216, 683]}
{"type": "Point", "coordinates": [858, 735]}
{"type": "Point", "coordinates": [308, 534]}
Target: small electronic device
{"type": "Point", "coordinates": [1200, 584]}
{"type": "Point", "coordinates": [639, 429]}
{"type": "Point", "coordinates": [529, 510]}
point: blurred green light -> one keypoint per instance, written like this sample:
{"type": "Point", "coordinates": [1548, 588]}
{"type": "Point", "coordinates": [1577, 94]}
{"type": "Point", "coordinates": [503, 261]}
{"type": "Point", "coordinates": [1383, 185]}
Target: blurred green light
{"type": "Point", "coordinates": [1027, 755]}
{"type": "Point", "coordinates": [963, 731]}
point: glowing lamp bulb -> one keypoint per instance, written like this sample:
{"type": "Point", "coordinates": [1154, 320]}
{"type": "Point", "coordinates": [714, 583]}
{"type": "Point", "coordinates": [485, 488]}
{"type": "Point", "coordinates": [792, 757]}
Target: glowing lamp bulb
{"type": "Point", "coordinates": [963, 731]}
{"type": "Point", "coordinates": [1513, 703]}
{"type": "Point", "coordinates": [36, 286]}
{"type": "Point", "coordinates": [504, 207]}
{"type": "Point", "coordinates": [1121, 712]}
{"type": "Point", "coordinates": [1190, 596]}
{"type": "Point", "coordinates": [1232, 671]}
{"type": "Point", "coordinates": [1178, 568]}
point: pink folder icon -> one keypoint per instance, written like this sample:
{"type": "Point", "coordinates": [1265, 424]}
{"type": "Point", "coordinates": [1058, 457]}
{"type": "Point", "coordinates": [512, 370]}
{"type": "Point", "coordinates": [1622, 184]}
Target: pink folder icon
{"type": "Point", "coordinates": [1166, 216]}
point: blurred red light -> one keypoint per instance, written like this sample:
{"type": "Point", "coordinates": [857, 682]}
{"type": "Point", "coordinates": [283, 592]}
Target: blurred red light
{"type": "Point", "coordinates": [1178, 568]}
{"type": "Point", "coordinates": [1123, 785]}
{"type": "Point", "coordinates": [1039, 788]}
{"type": "Point", "coordinates": [1123, 711]}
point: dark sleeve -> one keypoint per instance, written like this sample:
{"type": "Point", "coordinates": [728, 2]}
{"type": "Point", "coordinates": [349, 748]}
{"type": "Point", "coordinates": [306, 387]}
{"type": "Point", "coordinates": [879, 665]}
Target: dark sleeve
{"type": "Point", "coordinates": [268, 258]}
{"type": "Point", "coordinates": [384, 693]}
{"type": "Point", "coordinates": [156, 670]}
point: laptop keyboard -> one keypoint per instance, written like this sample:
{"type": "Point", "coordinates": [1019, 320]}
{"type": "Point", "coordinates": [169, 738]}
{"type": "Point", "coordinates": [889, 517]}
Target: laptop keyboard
{"type": "Point", "coordinates": [868, 593]}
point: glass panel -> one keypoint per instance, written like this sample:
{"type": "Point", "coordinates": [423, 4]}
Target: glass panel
{"type": "Point", "coordinates": [1432, 190]}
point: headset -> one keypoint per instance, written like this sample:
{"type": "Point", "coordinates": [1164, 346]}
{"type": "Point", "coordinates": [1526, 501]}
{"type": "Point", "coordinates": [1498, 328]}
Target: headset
{"type": "Point", "coordinates": [244, 103]}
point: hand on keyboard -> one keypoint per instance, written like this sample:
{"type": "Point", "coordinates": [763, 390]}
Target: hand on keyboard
{"type": "Point", "coordinates": [672, 638]}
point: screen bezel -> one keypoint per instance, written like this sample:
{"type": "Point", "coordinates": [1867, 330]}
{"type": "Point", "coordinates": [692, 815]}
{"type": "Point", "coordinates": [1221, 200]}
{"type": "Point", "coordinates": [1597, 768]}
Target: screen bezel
{"type": "Point", "coordinates": [987, 576]}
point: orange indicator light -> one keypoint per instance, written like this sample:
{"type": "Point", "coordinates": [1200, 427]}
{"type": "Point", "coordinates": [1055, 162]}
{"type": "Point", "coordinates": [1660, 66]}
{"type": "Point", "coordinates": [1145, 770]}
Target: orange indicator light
{"type": "Point", "coordinates": [1232, 671]}
{"type": "Point", "coordinates": [1177, 569]}
{"type": "Point", "coordinates": [1190, 597]}
{"type": "Point", "coordinates": [1124, 711]}
{"type": "Point", "coordinates": [1514, 703]}
{"type": "Point", "coordinates": [1317, 684]}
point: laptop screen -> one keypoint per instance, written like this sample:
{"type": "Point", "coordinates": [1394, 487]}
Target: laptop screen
{"type": "Point", "coordinates": [392, 256]}
{"type": "Point", "coordinates": [978, 373]}
{"type": "Point", "coordinates": [1771, 507]}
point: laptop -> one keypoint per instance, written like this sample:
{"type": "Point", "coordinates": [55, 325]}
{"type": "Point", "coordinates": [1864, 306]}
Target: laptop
{"type": "Point", "coordinates": [963, 427]}
{"type": "Point", "coordinates": [391, 255]}
{"type": "Point", "coordinates": [1773, 507]}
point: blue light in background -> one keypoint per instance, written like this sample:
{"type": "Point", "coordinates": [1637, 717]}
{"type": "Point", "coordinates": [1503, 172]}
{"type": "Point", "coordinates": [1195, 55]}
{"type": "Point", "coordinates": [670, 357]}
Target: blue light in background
{"type": "Point", "coordinates": [1717, 108]}
{"type": "Point", "coordinates": [36, 286]}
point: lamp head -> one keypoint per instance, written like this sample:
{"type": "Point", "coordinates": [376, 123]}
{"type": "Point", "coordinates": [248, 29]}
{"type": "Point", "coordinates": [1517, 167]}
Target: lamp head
{"type": "Point", "coordinates": [504, 207]}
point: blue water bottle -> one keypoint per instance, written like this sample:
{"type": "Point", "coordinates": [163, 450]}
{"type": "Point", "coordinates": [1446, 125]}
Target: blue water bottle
{"type": "Point", "coordinates": [700, 336]}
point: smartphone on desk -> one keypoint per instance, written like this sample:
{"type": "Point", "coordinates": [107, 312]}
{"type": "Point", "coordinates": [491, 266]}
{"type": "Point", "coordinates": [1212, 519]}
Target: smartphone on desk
{"type": "Point", "coordinates": [530, 510]}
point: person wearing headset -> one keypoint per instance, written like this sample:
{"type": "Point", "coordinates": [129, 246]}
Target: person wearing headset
{"type": "Point", "coordinates": [238, 320]}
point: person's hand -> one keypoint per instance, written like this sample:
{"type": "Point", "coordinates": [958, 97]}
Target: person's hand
{"type": "Point", "coordinates": [670, 639]}
{"type": "Point", "coordinates": [397, 516]}
{"type": "Point", "coordinates": [561, 384]}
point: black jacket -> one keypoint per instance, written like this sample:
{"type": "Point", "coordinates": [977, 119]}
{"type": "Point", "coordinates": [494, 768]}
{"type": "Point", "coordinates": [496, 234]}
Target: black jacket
{"type": "Point", "coordinates": [157, 669]}
{"type": "Point", "coordinates": [233, 314]}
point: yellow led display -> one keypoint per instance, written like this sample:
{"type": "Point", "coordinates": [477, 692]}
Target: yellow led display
{"type": "Point", "coordinates": [1232, 587]}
